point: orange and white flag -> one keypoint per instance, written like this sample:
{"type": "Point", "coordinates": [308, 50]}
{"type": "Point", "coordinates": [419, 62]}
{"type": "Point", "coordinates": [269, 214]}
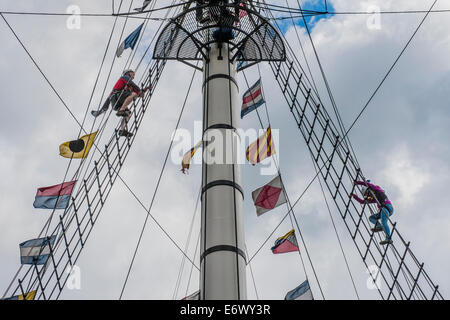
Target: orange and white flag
{"type": "Point", "coordinates": [185, 164]}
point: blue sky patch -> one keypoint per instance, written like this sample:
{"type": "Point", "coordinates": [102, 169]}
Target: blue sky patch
{"type": "Point", "coordinates": [314, 5]}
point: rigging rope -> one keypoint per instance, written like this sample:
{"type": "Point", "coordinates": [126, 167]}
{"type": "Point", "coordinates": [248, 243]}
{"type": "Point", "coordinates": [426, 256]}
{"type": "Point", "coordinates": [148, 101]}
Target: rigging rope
{"type": "Point", "coordinates": [288, 203]}
{"type": "Point", "coordinates": [323, 193]}
{"type": "Point", "coordinates": [48, 223]}
{"type": "Point", "coordinates": [303, 51]}
{"type": "Point", "coordinates": [83, 130]}
{"type": "Point", "coordinates": [127, 65]}
{"type": "Point", "coordinates": [81, 126]}
{"type": "Point", "coordinates": [336, 232]}
{"type": "Point", "coordinates": [330, 94]}
{"type": "Point", "coordinates": [253, 276]}
{"type": "Point", "coordinates": [157, 9]}
{"type": "Point", "coordinates": [102, 123]}
{"type": "Point", "coordinates": [306, 13]}
{"type": "Point", "coordinates": [192, 266]}
{"type": "Point", "coordinates": [131, 55]}
{"type": "Point", "coordinates": [83, 161]}
{"type": "Point", "coordinates": [39, 69]}
{"type": "Point", "coordinates": [392, 67]}
{"type": "Point", "coordinates": [188, 240]}
{"type": "Point", "coordinates": [93, 15]}
{"type": "Point", "coordinates": [157, 186]}
{"type": "Point", "coordinates": [350, 128]}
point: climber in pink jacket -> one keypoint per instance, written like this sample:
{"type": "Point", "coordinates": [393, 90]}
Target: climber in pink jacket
{"type": "Point", "coordinates": [374, 194]}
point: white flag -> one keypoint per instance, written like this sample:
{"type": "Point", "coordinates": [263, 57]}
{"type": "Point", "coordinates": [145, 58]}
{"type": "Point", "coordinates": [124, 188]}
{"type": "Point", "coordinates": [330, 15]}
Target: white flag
{"type": "Point", "coordinates": [145, 4]}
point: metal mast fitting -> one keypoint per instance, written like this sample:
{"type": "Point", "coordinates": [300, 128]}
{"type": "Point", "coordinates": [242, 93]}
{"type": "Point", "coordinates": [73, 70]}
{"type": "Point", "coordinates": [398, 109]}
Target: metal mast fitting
{"type": "Point", "coordinates": [220, 33]}
{"type": "Point", "coordinates": [189, 35]}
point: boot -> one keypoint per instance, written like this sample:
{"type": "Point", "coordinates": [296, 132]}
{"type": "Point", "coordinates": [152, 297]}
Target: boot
{"type": "Point", "coordinates": [123, 113]}
{"type": "Point", "coordinates": [387, 241]}
{"type": "Point", "coordinates": [125, 133]}
{"type": "Point", "coordinates": [377, 229]}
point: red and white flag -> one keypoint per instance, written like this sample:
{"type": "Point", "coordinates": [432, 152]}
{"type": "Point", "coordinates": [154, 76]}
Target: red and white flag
{"type": "Point", "coordinates": [252, 99]}
{"type": "Point", "coordinates": [242, 13]}
{"type": "Point", "coordinates": [269, 196]}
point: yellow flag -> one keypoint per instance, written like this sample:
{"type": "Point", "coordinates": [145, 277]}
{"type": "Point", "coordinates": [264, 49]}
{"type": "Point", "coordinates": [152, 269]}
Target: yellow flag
{"type": "Point", "coordinates": [29, 296]}
{"type": "Point", "coordinates": [185, 164]}
{"type": "Point", "coordinates": [77, 148]}
{"type": "Point", "coordinates": [261, 148]}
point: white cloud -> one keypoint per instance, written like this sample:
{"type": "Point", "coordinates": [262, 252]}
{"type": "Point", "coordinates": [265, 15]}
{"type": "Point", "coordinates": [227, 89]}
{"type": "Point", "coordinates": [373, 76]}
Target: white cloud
{"type": "Point", "coordinates": [403, 174]}
{"type": "Point", "coordinates": [410, 111]}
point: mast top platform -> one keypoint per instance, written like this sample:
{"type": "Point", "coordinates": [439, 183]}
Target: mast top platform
{"type": "Point", "coordinates": [189, 35]}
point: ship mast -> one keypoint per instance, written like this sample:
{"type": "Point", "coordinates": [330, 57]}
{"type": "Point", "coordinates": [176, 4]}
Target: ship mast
{"type": "Point", "coordinates": [224, 35]}
{"type": "Point", "coordinates": [220, 33]}
{"type": "Point", "coordinates": [223, 261]}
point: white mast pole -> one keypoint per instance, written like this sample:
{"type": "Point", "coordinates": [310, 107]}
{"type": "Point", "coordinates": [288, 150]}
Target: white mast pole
{"type": "Point", "coordinates": [223, 261]}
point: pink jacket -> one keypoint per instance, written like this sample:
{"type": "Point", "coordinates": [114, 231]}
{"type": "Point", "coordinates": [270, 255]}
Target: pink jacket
{"type": "Point", "coordinates": [379, 194]}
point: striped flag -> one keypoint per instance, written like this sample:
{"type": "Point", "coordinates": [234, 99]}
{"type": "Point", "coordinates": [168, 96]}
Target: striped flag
{"type": "Point", "coordinates": [130, 41]}
{"type": "Point", "coordinates": [242, 13]}
{"type": "Point", "coordinates": [269, 196]}
{"type": "Point", "coordinates": [252, 99]}
{"type": "Point", "coordinates": [286, 243]}
{"type": "Point", "coordinates": [36, 251]}
{"type": "Point", "coordinates": [54, 197]}
{"type": "Point", "coordinates": [261, 148]}
{"type": "Point", "coordinates": [302, 292]}
{"type": "Point", "coordinates": [185, 164]}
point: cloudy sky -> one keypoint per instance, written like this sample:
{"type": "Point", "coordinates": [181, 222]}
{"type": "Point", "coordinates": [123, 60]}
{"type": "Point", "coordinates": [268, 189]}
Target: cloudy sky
{"type": "Point", "coordinates": [401, 142]}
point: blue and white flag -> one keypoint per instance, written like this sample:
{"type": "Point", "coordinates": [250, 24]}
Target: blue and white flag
{"type": "Point", "coordinates": [302, 292]}
{"type": "Point", "coordinates": [36, 251]}
{"type": "Point", "coordinates": [252, 99]}
{"type": "Point", "coordinates": [130, 41]}
{"type": "Point", "coordinates": [241, 62]}
{"type": "Point", "coordinates": [145, 4]}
